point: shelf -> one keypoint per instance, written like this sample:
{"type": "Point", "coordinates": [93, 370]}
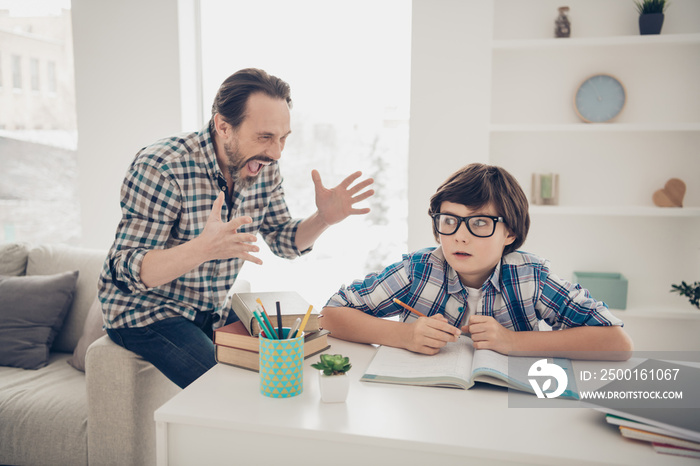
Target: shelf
{"type": "Point", "coordinates": [596, 127]}
{"type": "Point", "coordinates": [617, 211]}
{"type": "Point", "coordinates": [649, 40]}
{"type": "Point", "coordinates": [661, 313]}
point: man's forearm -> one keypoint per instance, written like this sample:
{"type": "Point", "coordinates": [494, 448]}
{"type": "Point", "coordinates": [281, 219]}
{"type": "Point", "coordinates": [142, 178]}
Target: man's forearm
{"type": "Point", "coordinates": [309, 230]}
{"type": "Point", "coordinates": [161, 266]}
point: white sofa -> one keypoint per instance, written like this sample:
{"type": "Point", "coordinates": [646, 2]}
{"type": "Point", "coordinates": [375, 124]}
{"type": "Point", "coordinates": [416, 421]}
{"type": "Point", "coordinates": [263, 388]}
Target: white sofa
{"type": "Point", "coordinates": [58, 415]}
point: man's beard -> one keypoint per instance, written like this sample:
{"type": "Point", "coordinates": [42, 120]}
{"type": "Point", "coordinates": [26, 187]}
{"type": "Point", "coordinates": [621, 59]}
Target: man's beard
{"type": "Point", "coordinates": [236, 164]}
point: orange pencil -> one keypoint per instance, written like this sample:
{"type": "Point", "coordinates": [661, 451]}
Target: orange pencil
{"type": "Point", "coordinates": [259, 301]}
{"type": "Point", "coordinates": [406, 306]}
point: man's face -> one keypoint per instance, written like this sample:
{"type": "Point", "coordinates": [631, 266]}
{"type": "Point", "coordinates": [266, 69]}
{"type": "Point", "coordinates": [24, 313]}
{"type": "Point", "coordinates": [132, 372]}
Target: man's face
{"type": "Point", "coordinates": [473, 258]}
{"type": "Point", "coordinates": [258, 141]}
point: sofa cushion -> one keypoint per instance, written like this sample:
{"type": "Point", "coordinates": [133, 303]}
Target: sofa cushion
{"type": "Point", "coordinates": [32, 310]}
{"type": "Point", "coordinates": [43, 415]}
{"type": "Point", "coordinates": [55, 258]}
{"type": "Point", "coordinates": [92, 330]}
{"type": "Point", "coordinates": [13, 259]}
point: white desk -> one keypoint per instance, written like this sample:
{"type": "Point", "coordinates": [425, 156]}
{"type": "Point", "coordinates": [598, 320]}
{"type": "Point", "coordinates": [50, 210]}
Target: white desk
{"type": "Point", "coordinates": [223, 419]}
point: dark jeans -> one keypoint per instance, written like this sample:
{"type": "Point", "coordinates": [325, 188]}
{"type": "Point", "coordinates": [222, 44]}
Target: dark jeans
{"type": "Point", "coordinates": [181, 349]}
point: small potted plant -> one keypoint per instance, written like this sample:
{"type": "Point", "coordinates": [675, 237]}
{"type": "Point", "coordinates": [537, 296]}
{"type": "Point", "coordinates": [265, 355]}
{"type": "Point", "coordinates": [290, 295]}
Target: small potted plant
{"type": "Point", "coordinates": [651, 15]}
{"type": "Point", "coordinates": [333, 378]}
{"type": "Point", "coordinates": [692, 292]}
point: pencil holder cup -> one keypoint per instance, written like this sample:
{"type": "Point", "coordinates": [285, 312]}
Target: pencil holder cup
{"type": "Point", "coordinates": [281, 365]}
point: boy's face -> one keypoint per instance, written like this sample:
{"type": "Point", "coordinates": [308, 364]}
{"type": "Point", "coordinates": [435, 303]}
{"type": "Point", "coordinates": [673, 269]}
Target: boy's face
{"type": "Point", "coordinates": [474, 258]}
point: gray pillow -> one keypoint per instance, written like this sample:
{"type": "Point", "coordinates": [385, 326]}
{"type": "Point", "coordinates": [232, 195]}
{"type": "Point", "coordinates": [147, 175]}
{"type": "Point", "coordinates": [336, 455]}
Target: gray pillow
{"type": "Point", "coordinates": [32, 310]}
{"type": "Point", "coordinates": [92, 330]}
{"type": "Point", "coordinates": [13, 259]}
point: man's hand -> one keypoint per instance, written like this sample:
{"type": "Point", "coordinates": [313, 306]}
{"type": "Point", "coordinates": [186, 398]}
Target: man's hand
{"type": "Point", "coordinates": [223, 241]}
{"type": "Point", "coordinates": [336, 204]}
{"type": "Point", "coordinates": [487, 333]}
{"type": "Point", "coordinates": [428, 334]}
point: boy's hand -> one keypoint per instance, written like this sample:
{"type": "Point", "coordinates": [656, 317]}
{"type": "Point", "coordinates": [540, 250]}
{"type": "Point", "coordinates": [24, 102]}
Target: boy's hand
{"type": "Point", "coordinates": [429, 334]}
{"type": "Point", "coordinates": [487, 333]}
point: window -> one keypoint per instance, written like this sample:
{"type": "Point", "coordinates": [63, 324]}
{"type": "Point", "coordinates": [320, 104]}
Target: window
{"type": "Point", "coordinates": [16, 72]}
{"type": "Point", "coordinates": [34, 73]}
{"type": "Point", "coordinates": [51, 76]}
{"type": "Point", "coordinates": [38, 137]}
{"type": "Point", "coordinates": [348, 65]}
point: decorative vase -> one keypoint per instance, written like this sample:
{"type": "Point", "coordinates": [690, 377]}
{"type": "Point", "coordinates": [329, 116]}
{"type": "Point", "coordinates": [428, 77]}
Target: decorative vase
{"type": "Point", "coordinates": [562, 25]}
{"type": "Point", "coordinates": [334, 388]}
{"type": "Point", "coordinates": [650, 23]}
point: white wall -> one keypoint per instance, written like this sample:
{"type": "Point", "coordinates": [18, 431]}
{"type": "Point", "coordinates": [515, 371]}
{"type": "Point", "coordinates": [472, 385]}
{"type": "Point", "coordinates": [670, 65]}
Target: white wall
{"type": "Point", "coordinates": [127, 96]}
{"type": "Point", "coordinates": [451, 107]}
{"type": "Point", "coordinates": [450, 100]}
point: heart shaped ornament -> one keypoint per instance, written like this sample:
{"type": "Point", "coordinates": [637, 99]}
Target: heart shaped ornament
{"type": "Point", "coordinates": [671, 195]}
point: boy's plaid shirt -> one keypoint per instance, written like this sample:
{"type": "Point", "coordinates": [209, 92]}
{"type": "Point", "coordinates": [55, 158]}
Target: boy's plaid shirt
{"type": "Point", "coordinates": [166, 198]}
{"type": "Point", "coordinates": [520, 292]}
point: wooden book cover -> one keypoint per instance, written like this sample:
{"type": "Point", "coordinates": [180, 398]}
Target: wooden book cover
{"type": "Point", "coordinates": [292, 306]}
{"type": "Point", "coordinates": [235, 335]}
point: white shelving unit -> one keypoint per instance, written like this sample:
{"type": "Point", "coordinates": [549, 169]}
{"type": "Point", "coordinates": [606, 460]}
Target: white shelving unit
{"type": "Point", "coordinates": [598, 127]}
{"type": "Point", "coordinates": [606, 220]}
{"type": "Point", "coordinates": [570, 43]}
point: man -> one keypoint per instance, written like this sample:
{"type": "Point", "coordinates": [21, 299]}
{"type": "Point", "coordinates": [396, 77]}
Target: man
{"type": "Point", "coordinates": [191, 208]}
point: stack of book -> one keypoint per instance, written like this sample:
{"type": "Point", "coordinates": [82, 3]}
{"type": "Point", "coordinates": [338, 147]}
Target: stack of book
{"type": "Point", "coordinates": [237, 343]}
{"type": "Point", "coordinates": [292, 306]}
{"type": "Point", "coordinates": [680, 437]}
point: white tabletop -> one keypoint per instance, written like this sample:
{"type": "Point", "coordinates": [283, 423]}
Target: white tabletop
{"type": "Point", "coordinates": [414, 422]}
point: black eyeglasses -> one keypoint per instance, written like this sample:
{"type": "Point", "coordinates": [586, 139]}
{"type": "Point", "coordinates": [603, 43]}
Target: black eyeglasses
{"type": "Point", "coordinates": [481, 226]}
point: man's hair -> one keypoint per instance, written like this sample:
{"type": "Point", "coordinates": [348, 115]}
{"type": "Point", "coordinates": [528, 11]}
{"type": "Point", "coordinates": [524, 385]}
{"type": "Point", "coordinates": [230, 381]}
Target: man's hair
{"type": "Point", "coordinates": [232, 97]}
{"type": "Point", "coordinates": [477, 185]}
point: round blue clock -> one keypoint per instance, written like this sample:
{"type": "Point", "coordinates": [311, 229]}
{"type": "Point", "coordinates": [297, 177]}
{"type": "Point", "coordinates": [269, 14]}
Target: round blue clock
{"type": "Point", "coordinates": [599, 98]}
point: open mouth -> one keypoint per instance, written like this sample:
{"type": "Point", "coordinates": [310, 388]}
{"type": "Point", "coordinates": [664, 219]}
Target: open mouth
{"type": "Point", "coordinates": [255, 165]}
{"type": "Point", "coordinates": [462, 254]}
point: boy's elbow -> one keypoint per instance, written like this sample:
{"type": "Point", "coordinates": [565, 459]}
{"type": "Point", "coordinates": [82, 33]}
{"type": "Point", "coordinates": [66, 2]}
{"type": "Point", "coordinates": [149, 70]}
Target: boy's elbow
{"type": "Point", "coordinates": [622, 346]}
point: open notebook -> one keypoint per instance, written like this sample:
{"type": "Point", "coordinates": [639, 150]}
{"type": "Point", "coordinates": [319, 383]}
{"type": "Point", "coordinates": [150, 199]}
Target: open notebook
{"type": "Point", "coordinates": [457, 365]}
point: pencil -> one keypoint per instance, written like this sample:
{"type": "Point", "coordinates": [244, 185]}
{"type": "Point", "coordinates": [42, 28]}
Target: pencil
{"type": "Point", "coordinates": [279, 321]}
{"type": "Point", "coordinates": [263, 326]}
{"type": "Point", "coordinates": [294, 328]}
{"type": "Point", "coordinates": [268, 325]}
{"type": "Point", "coordinates": [409, 308]}
{"type": "Point", "coordinates": [264, 312]}
{"type": "Point", "coordinates": [306, 319]}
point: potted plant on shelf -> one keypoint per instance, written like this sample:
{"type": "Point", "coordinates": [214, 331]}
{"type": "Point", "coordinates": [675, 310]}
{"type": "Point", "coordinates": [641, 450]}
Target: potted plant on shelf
{"type": "Point", "coordinates": [651, 15]}
{"type": "Point", "coordinates": [692, 292]}
{"type": "Point", "coordinates": [333, 378]}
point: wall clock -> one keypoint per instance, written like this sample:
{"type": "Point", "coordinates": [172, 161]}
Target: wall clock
{"type": "Point", "coordinates": [599, 98]}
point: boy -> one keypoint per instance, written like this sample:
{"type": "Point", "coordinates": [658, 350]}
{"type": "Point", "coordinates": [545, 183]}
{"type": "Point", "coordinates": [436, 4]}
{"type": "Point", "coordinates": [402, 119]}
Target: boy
{"type": "Point", "coordinates": [475, 282]}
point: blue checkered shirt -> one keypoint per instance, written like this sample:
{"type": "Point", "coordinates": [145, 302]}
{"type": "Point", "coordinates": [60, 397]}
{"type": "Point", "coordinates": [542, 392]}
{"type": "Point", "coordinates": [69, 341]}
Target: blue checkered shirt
{"type": "Point", "coordinates": [166, 198]}
{"type": "Point", "coordinates": [520, 292]}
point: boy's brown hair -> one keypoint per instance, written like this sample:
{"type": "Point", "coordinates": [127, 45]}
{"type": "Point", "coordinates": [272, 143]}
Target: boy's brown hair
{"type": "Point", "coordinates": [477, 185]}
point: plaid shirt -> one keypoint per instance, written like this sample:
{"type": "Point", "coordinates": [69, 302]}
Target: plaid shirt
{"type": "Point", "coordinates": [520, 292]}
{"type": "Point", "coordinates": [166, 198]}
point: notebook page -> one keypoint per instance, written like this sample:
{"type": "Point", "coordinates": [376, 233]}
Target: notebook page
{"type": "Point", "coordinates": [453, 360]}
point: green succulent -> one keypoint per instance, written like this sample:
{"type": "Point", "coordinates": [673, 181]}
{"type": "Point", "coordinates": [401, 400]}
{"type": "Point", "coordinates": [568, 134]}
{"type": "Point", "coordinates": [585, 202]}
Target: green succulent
{"type": "Point", "coordinates": [333, 364]}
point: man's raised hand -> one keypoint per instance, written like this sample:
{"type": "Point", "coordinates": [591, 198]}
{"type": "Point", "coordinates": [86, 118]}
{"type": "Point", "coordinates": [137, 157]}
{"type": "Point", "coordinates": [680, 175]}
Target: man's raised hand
{"type": "Point", "coordinates": [221, 240]}
{"type": "Point", "coordinates": [336, 204]}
